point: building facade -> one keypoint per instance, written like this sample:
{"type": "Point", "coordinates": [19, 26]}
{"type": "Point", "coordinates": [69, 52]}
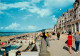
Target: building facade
{"type": "Point", "coordinates": [70, 20]}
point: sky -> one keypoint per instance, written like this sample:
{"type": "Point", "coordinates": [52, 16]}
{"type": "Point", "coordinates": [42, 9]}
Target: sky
{"type": "Point", "coordinates": [31, 15]}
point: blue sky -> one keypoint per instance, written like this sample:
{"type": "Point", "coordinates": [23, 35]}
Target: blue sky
{"type": "Point", "coordinates": [31, 15]}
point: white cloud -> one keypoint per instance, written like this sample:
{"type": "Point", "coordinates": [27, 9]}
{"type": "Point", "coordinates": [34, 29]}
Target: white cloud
{"type": "Point", "coordinates": [26, 17]}
{"type": "Point", "coordinates": [26, 6]}
{"type": "Point", "coordinates": [60, 9]}
{"type": "Point", "coordinates": [58, 3]}
{"type": "Point", "coordinates": [1, 28]}
{"type": "Point", "coordinates": [36, 1]}
{"type": "Point", "coordinates": [29, 15]}
{"type": "Point", "coordinates": [14, 5]}
{"type": "Point", "coordinates": [41, 12]}
{"type": "Point", "coordinates": [54, 18]}
{"type": "Point", "coordinates": [16, 26]}
{"type": "Point", "coordinates": [23, 8]}
{"type": "Point", "coordinates": [32, 27]}
{"type": "Point", "coordinates": [13, 26]}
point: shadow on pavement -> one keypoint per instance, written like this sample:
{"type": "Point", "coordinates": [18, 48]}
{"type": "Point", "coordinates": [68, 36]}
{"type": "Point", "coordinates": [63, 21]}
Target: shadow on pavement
{"type": "Point", "coordinates": [66, 48]}
{"type": "Point", "coordinates": [73, 49]}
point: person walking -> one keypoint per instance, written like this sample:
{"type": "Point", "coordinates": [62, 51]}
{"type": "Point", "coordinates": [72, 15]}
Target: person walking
{"type": "Point", "coordinates": [47, 35]}
{"type": "Point", "coordinates": [58, 35]}
{"type": "Point", "coordinates": [69, 42]}
{"type": "Point", "coordinates": [53, 35]}
{"type": "Point", "coordinates": [46, 39]}
{"type": "Point", "coordinates": [77, 39]}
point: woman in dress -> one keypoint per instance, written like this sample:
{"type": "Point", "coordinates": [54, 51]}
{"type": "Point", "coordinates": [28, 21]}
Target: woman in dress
{"type": "Point", "coordinates": [69, 42]}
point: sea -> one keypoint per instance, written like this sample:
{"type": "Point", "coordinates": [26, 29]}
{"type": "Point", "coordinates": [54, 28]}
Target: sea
{"type": "Point", "coordinates": [11, 33]}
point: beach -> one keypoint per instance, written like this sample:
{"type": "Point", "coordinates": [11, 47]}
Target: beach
{"type": "Point", "coordinates": [6, 38]}
{"type": "Point", "coordinates": [57, 47]}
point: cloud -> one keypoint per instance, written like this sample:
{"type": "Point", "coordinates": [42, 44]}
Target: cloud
{"type": "Point", "coordinates": [41, 12]}
{"type": "Point", "coordinates": [36, 1]}
{"type": "Point", "coordinates": [54, 18]}
{"type": "Point", "coordinates": [60, 9]}
{"type": "Point", "coordinates": [32, 27]}
{"type": "Point", "coordinates": [26, 17]}
{"type": "Point", "coordinates": [13, 26]}
{"type": "Point", "coordinates": [58, 3]}
{"type": "Point", "coordinates": [1, 28]}
{"type": "Point", "coordinates": [29, 15]}
{"type": "Point", "coordinates": [21, 5]}
{"type": "Point", "coordinates": [18, 27]}
{"type": "Point", "coordinates": [26, 6]}
{"type": "Point", "coordinates": [23, 8]}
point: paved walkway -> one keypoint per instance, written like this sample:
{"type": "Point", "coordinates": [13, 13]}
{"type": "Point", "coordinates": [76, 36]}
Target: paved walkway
{"type": "Point", "coordinates": [59, 48]}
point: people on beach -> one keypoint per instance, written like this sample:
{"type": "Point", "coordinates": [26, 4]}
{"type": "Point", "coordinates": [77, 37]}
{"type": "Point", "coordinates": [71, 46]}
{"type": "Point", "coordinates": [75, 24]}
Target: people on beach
{"type": "Point", "coordinates": [69, 42]}
{"type": "Point", "coordinates": [58, 35]}
{"type": "Point", "coordinates": [77, 39]}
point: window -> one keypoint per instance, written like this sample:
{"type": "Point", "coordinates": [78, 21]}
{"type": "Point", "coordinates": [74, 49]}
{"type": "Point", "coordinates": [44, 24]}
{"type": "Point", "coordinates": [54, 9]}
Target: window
{"type": "Point", "coordinates": [77, 27]}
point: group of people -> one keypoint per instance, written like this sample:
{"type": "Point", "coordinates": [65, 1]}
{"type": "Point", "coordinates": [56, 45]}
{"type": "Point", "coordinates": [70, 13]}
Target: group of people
{"type": "Point", "coordinates": [70, 40]}
{"type": "Point", "coordinates": [73, 38]}
{"type": "Point", "coordinates": [47, 35]}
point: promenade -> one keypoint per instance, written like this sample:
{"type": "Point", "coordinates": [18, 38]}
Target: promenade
{"type": "Point", "coordinates": [59, 48]}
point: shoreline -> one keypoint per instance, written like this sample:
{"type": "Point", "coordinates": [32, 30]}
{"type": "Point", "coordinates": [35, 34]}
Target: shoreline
{"type": "Point", "coordinates": [6, 38]}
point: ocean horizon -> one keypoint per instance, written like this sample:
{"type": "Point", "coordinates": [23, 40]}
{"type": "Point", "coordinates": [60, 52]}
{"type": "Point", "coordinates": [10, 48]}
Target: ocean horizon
{"type": "Point", "coordinates": [12, 33]}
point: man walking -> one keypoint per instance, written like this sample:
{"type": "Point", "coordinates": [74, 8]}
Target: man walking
{"type": "Point", "coordinates": [47, 39]}
{"type": "Point", "coordinates": [77, 39]}
{"type": "Point", "coordinates": [58, 35]}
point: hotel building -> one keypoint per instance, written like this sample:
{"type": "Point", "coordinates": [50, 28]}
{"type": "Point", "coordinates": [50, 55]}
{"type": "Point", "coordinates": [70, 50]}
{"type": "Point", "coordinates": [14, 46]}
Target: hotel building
{"type": "Point", "coordinates": [70, 20]}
